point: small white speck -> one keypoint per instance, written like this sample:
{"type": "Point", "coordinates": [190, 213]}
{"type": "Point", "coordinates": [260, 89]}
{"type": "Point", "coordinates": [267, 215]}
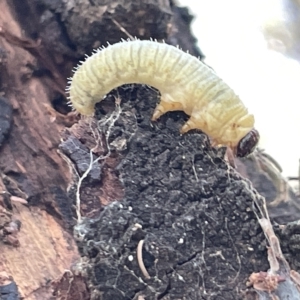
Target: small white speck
{"type": "Point", "coordinates": [180, 277]}
{"type": "Point", "coordinates": [137, 226]}
{"type": "Point", "coordinates": [181, 241]}
{"type": "Point", "coordinates": [130, 258]}
{"type": "Point", "coordinates": [129, 208]}
{"type": "Point", "coordinates": [250, 249]}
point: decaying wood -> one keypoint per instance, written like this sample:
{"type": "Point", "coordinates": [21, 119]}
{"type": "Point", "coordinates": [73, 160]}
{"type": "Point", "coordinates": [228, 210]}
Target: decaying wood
{"type": "Point", "coordinates": [201, 239]}
{"type": "Point", "coordinates": [31, 169]}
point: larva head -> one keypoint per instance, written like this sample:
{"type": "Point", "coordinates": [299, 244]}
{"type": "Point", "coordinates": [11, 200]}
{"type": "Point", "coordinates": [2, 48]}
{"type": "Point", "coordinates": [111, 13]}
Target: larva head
{"type": "Point", "coordinates": [247, 144]}
{"type": "Point", "coordinates": [237, 134]}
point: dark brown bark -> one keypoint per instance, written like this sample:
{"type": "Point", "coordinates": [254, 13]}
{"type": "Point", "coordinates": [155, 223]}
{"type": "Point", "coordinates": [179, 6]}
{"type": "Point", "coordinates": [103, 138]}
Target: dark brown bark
{"type": "Point", "coordinates": [40, 42]}
{"type": "Point", "coordinates": [31, 168]}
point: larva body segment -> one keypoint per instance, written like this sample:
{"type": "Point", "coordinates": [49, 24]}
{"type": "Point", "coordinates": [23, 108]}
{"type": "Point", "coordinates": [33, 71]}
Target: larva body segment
{"type": "Point", "coordinates": [185, 83]}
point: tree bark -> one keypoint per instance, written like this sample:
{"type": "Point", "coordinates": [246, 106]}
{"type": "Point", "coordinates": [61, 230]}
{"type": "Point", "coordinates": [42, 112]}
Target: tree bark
{"type": "Point", "coordinates": [70, 233]}
{"type": "Point", "coordinates": [31, 168]}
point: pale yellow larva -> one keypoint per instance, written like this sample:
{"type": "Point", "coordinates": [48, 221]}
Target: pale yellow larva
{"type": "Point", "coordinates": [185, 83]}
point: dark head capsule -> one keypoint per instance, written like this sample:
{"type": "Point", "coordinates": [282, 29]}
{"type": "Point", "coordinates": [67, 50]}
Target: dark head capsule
{"type": "Point", "coordinates": [247, 144]}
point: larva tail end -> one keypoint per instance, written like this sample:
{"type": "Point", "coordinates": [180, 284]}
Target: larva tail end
{"type": "Point", "coordinates": [86, 111]}
{"type": "Point", "coordinates": [83, 109]}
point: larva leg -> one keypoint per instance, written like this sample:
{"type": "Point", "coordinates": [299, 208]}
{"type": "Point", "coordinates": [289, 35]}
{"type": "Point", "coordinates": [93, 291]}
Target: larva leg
{"type": "Point", "coordinates": [190, 124]}
{"type": "Point", "coordinates": [164, 106]}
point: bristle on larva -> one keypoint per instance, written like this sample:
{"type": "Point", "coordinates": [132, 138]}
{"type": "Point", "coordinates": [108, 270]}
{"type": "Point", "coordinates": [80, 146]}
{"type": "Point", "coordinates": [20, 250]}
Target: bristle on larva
{"type": "Point", "coordinates": [185, 83]}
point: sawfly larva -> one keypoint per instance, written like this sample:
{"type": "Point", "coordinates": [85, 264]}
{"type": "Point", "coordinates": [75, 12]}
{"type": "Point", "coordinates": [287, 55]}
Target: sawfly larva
{"type": "Point", "coordinates": [185, 83]}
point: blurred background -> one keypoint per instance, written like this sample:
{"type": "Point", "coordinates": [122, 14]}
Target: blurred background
{"type": "Point", "coordinates": [253, 46]}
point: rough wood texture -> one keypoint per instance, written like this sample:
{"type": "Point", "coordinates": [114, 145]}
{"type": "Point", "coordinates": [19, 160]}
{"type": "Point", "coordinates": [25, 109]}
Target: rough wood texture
{"type": "Point", "coordinates": [201, 236]}
{"type": "Point", "coordinates": [31, 169]}
{"type": "Point", "coordinates": [37, 43]}
{"type": "Point", "coordinates": [151, 19]}
{"type": "Point", "coordinates": [193, 213]}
